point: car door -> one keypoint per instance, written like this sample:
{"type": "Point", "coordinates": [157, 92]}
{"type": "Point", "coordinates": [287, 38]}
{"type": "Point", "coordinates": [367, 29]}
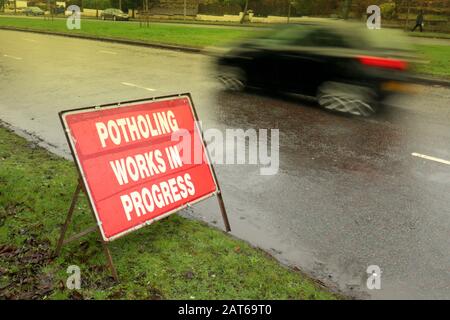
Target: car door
{"type": "Point", "coordinates": [261, 67]}
{"type": "Point", "coordinates": [265, 59]}
{"type": "Point", "coordinates": [309, 60]}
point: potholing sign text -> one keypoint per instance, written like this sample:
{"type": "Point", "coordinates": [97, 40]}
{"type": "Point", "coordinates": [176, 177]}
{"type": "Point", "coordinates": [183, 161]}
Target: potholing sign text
{"type": "Point", "coordinates": [133, 172]}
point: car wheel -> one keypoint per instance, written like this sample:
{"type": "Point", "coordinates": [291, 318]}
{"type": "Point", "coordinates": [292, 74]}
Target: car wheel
{"type": "Point", "coordinates": [103, 17]}
{"type": "Point", "coordinates": [347, 98]}
{"type": "Point", "coordinates": [115, 18]}
{"type": "Point", "coordinates": [232, 78]}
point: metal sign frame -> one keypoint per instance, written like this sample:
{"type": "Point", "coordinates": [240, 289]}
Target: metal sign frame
{"type": "Point", "coordinates": [83, 186]}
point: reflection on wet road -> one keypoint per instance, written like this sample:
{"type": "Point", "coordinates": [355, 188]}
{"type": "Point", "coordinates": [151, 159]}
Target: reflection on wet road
{"type": "Point", "coordinates": [349, 193]}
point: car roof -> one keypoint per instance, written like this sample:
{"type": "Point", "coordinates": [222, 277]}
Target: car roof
{"type": "Point", "coordinates": [357, 35]}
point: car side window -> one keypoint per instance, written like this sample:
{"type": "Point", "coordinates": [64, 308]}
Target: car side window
{"type": "Point", "coordinates": [305, 39]}
{"type": "Point", "coordinates": [325, 38]}
{"type": "Point", "coordinates": [290, 35]}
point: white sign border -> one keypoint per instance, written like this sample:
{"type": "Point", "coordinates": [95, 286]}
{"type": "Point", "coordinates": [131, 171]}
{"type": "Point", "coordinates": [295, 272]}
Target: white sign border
{"type": "Point", "coordinates": [71, 141]}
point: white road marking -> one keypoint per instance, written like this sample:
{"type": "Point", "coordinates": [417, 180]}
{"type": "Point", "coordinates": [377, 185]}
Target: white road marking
{"type": "Point", "coordinates": [136, 86]}
{"type": "Point", "coordinates": [12, 57]}
{"type": "Point", "coordinates": [423, 156]}
{"type": "Point", "coordinates": [107, 52]}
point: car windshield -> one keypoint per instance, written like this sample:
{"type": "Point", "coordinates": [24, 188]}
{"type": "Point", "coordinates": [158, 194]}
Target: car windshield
{"type": "Point", "coordinates": [290, 35]}
{"type": "Point", "coordinates": [305, 36]}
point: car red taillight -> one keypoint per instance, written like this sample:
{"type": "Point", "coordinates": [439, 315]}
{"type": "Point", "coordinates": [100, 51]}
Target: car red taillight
{"type": "Point", "coordinates": [386, 63]}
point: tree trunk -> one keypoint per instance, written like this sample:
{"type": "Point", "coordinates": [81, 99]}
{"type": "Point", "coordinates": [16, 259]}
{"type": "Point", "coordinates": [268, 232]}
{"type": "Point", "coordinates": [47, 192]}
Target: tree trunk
{"type": "Point", "coordinates": [244, 12]}
{"type": "Point", "coordinates": [347, 8]}
{"type": "Point", "coordinates": [289, 11]}
{"type": "Point", "coordinates": [408, 6]}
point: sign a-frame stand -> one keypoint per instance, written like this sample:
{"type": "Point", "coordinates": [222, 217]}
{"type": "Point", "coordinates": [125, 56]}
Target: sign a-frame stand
{"type": "Point", "coordinates": [62, 241]}
{"type": "Point", "coordinates": [81, 186]}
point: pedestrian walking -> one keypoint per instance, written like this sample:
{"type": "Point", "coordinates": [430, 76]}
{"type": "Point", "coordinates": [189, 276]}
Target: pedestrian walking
{"type": "Point", "coordinates": [419, 22]}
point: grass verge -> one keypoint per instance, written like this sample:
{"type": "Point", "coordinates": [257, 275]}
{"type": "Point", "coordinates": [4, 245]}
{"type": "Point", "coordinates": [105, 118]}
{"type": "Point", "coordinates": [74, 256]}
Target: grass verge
{"type": "Point", "coordinates": [175, 258]}
{"type": "Point", "coordinates": [435, 35]}
{"type": "Point", "coordinates": [184, 35]}
{"type": "Point", "coordinates": [438, 58]}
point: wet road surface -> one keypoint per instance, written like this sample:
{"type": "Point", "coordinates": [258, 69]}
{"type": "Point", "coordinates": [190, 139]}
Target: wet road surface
{"type": "Point", "coordinates": [348, 194]}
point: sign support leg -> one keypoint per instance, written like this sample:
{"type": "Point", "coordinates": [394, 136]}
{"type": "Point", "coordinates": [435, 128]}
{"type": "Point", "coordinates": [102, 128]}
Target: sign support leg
{"type": "Point", "coordinates": [223, 211]}
{"type": "Point", "coordinates": [61, 240]}
{"type": "Point", "coordinates": [68, 219]}
{"type": "Point", "coordinates": [110, 261]}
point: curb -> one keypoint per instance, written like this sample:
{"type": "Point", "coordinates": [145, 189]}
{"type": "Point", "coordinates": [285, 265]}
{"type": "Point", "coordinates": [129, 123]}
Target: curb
{"type": "Point", "coordinates": [430, 81]}
{"type": "Point", "coordinates": [114, 40]}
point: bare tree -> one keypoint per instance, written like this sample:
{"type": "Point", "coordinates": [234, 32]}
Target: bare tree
{"type": "Point", "coordinates": [408, 10]}
{"type": "Point", "coordinates": [347, 8]}
{"type": "Point", "coordinates": [244, 12]}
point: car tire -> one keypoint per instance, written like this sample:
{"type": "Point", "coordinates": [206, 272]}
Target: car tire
{"type": "Point", "coordinates": [103, 18]}
{"type": "Point", "coordinates": [347, 98]}
{"type": "Point", "coordinates": [115, 18]}
{"type": "Point", "coordinates": [232, 78]}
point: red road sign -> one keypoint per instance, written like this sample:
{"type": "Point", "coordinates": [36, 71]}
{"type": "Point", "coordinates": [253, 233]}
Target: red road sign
{"type": "Point", "coordinates": [134, 174]}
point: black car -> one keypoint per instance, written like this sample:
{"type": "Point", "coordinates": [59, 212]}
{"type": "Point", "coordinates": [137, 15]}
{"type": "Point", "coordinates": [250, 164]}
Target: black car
{"type": "Point", "coordinates": [33, 11]}
{"type": "Point", "coordinates": [346, 67]}
{"type": "Point", "coordinates": [114, 14]}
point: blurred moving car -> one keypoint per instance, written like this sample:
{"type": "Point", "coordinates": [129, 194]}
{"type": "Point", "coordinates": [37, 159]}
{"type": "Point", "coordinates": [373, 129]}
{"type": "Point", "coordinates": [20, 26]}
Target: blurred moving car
{"type": "Point", "coordinates": [348, 68]}
{"type": "Point", "coordinates": [114, 14]}
{"type": "Point", "coordinates": [33, 11]}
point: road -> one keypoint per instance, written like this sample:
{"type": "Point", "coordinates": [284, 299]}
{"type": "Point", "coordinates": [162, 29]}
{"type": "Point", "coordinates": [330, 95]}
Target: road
{"type": "Point", "coordinates": [349, 192]}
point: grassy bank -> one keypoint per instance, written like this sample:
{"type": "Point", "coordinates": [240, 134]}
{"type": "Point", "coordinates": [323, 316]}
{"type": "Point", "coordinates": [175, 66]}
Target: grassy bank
{"type": "Point", "coordinates": [438, 60]}
{"type": "Point", "coordinates": [175, 258]}
{"type": "Point", "coordinates": [438, 56]}
{"type": "Point", "coordinates": [194, 36]}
